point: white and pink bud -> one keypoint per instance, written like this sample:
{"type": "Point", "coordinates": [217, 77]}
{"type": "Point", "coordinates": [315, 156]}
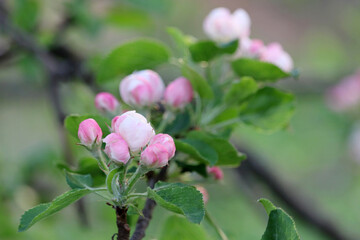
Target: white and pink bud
{"type": "Point", "coordinates": [155, 156]}
{"type": "Point", "coordinates": [116, 148]}
{"type": "Point", "coordinates": [89, 132]}
{"type": "Point", "coordinates": [179, 93]}
{"type": "Point", "coordinates": [106, 102]}
{"type": "Point", "coordinates": [346, 94]}
{"type": "Point", "coordinates": [165, 140]}
{"type": "Point", "coordinates": [250, 48]}
{"type": "Point", "coordinates": [216, 172]}
{"type": "Point", "coordinates": [142, 88]}
{"type": "Point", "coordinates": [134, 129]}
{"type": "Point", "coordinates": [275, 54]}
{"type": "Point", "coordinates": [204, 193]}
{"type": "Point", "coordinates": [222, 26]}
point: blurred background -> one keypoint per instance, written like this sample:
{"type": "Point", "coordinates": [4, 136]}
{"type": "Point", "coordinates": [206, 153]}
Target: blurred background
{"type": "Point", "coordinates": [310, 158]}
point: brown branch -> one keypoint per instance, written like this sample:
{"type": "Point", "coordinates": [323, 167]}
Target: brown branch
{"type": "Point", "coordinates": [253, 166]}
{"type": "Point", "coordinates": [121, 223]}
{"type": "Point", "coordinates": [144, 221]}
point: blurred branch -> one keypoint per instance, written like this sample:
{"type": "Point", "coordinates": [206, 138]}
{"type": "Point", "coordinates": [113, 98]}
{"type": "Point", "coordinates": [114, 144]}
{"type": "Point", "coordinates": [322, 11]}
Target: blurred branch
{"type": "Point", "coordinates": [57, 70]}
{"type": "Point", "coordinates": [254, 166]}
{"type": "Point", "coordinates": [143, 221]}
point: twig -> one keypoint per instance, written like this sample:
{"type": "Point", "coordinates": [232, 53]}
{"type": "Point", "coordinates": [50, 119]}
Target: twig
{"type": "Point", "coordinates": [143, 221]}
{"type": "Point", "coordinates": [311, 216]}
{"type": "Point", "coordinates": [121, 223]}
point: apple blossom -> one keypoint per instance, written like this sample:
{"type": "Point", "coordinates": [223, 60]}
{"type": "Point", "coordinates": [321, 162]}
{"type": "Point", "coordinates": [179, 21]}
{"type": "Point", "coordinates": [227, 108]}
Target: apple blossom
{"type": "Point", "coordinates": [155, 156]}
{"type": "Point", "coordinates": [251, 48]}
{"type": "Point", "coordinates": [89, 132]}
{"type": "Point", "coordinates": [179, 93]}
{"type": "Point", "coordinates": [106, 102]}
{"type": "Point", "coordinates": [203, 191]}
{"type": "Point", "coordinates": [216, 172]}
{"type": "Point", "coordinates": [222, 26]}
{"type": "Point", "coordinates": [142, 88]}
{"type": "Point", "coordinates": [116, 148]}
{"type": "Point", "coordinates": [134, 129]}
{"type": "Point", "coordinates": [275, 54]}
{"type": "Point", "coordinates": [167, 141]}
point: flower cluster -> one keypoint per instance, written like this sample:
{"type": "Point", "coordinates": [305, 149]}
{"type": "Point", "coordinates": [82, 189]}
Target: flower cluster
{"type": "Point", "coordinates": [223, 26]}
{"type": "Point", "coordinates": [131, 134]}
{"type": "Point", "coordinates": [345, 95]}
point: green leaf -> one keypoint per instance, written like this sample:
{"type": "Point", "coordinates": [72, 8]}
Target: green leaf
{"type": "Point", "coordinates": [132, 56]}
{"type": "Point", "coordinates": [25, 14]}
{"type": "Point", "coordinates": [199, 83]}
{"type": "Point", "coordinates": [177, 227]}
{"type": "Point", "coordinates": [260, 71]}
{"type": "Point", "coordinates": [78, 181]}
{"type": "Point", "coordinates": [240, 90]}
{"type": "Point", "coordinates": [269, 109]}
{"type": "Point", "coordinates": [128, 17]}
{"type": "Point", "coordinates": [199, 168]}
{"type": "Point", "coordinates": [197, 149]}
{"type": "Point", "coordinates": [207, 50]}
{"type": "Point", "coordinates": [228, 155]}
{"type": "Point", "coordinates": [110, 176]}
{"type": "Point", "coordinates": [179, 198]}
{"type": "Point", "coordinates": [180, 41]}
{"type": "Point", "coordinates": [72, 123]}
{"type": "Point", "coordinates": [280, 225]}
{"type": "Point", "coordinates": [42, 211]}
{"type": "Point", "coordinates": [181, 123]}
{"type": "Point", "coordinates": [269, 206]}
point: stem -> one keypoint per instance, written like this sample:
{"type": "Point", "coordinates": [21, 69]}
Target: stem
{"type": "Point", "coordinates": [134, 178]}
{"type": "Point", "coordinates": [218, 230]}
{"type": "Point", "coordinates": [121, 223]}
{"type": "Point", "coordinates": [101, 160]}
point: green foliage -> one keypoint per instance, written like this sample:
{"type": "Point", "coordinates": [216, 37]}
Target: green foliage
{"type": "Point", "coordinates": [128, 17]}
{"type": "Point", "coordinates": [180, 40]}
{"type": "Point", "coordinates": [177, 227]}
{"type": "Point", "coordinates": [72, 123]}
{"type": "Point", "coordinates": [199, 84]}
{"type": "Point", "coordinates": [260, 71]}
{"type": "Point", "coordinates": [25, 14]}
{"type": "Point", "coordinates": [42, 211]}
{"type": "Point", "coordinates": [78, 181]}
{"type": "Point", "coordinates": [280, 225]}
{"type": "Point", "coordinates": [132, 56]}
{"type": "Point", "coordinates": [179, 198]}
{"type": "Point", "coordinates": [207, 50]}
{"type": "Point", "coordinates": [181, 123]}
{"type": "Point", "coordinates": [269, 109]}
{"type": "Point", "coordinates": [226, 152]}
{"type": "Point", "coordinates": [109, 178]}
{"type": "Point", "coordinates": [240, 90]}
{"type": "Point", "coordinates": [199, 150]}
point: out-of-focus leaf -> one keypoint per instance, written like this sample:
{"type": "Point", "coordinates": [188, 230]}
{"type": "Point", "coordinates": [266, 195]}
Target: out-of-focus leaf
{"type": "Point", "coordinates": [42, 211]}
{"type": "Point", "coordinates": [181, 123]}
{"type": "Point", "coordinates": [199, 83]}
{"type": "Point", "coordinates": [78, 181]}
{"type": "Point", "coordinates": [260, 71]}
{"type": "Point", "coordinates": [182, 229]}
{"type": "Point", "coordinates": [207, 50]}
{"type": "Point", "coordinates": [241, 90]}
{"type": "Point", "coordinates": [199, 168]}
{"type": "Point", "coordinates": [156, 6]}
{"type": "Point", "coordinates": [72, 123]}
{"type": "Point", "coordinates": [280, 225]}
{"type": "Point", "coordinates": [269, 109]}
{"type": "Point", "coordinates": [180, 40]}
{"type": "Point", "coordinates": [179, 198]}
{"type": "Point", "coordinates": [132, 56]}
{"type": "Point", "coordinates": [128, 17]}
{"type": "Point", "coordinates": [25, 14]}
{"type": "Point", "coordinates": [197, 149]}
{"type": "Point", "coordinates": [228, 155]}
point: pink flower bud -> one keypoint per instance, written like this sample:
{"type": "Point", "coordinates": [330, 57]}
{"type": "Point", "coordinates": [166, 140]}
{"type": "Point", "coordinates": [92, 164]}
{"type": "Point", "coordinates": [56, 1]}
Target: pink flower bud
{"type": "Point", "coordinates": [116, 148]}
{"type": "Point", "coordinates": [155, 156]}
{"type": "Point", "coordinates": [165, 140]}
{"type": "Point", "coordinates": [216, 172]}
{"type": "Point", "coordinates": [346, 94]}
{"type": "Point", "coordinates": [89, 132]}
{"type": "Point", "coordinates": [250, 48]}
{"type": "Point", "coordinates": [142, 88]}
{"type": "Point", "coordinates": [275, 54]}
{"type": "Point", "coordinates": [204, 193]}
{"type": "Point", "coordinates": [222, 26]}
{"type": "Point", "coordinates": [134, 128]}
{"type": "Point", "coordinates": [179, 93]}
{"type": "Point", "coordinates": [106, 102]}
